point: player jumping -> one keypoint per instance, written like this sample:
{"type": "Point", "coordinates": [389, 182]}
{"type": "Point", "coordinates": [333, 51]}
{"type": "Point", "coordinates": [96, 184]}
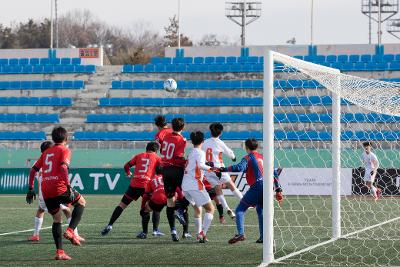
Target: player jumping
{"type": "Point", "coordinates": [42, 206]}
{"type": "Point", "coordinates": [56, 189]}
{"type": "Point", "coordinates": [173, 162]}
{"type": "Point", "coordinates": [145, 167]}
{"type": "Point", "coordinates": [194, 189]}
{"type": "Point", "coordinates": [214, 149]}
{"type": "Point", "coordinates": [252, 164]}
{"type": "Point", "coordinates": [371, 165]}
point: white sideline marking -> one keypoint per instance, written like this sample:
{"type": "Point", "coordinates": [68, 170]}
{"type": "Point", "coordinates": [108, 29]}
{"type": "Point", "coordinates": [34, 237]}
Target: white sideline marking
{"type": "Point", "coordinates": [24, 231]}
{"type": "Point", "coordinates": [330, 241]}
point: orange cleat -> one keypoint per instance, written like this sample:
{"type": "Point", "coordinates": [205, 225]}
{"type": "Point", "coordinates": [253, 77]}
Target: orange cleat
{"type": "Point", "coordinates": [81, 239]}
{"type": "Point", "coordinates": [34, 238]}
{"type": "Point", "coordinates": [61, 255]}
{"type": "Point", "coordinates": [70, 235]}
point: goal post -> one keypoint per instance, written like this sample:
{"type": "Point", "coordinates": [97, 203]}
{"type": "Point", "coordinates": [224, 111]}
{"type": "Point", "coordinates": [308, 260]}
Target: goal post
{"type": "Point", "coordinates": [268, 142]}
{"type": "Point", "coordinates": [315, 119]}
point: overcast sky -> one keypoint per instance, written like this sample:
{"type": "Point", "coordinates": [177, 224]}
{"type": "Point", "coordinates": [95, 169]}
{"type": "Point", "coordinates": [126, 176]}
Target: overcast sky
{"type": "Point", "coordinates": [335, 21]}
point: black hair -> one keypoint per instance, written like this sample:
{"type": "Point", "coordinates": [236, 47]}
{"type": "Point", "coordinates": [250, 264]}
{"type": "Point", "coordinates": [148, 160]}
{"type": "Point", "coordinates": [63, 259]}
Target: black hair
{"type": "Point", "coordinates": [160, 121]}
{"type": "Point", "coordinates": [152, 146]}
{"type": "Point", "coordinates": [251, 144]}
{"type": "Point", "coordinates": [45, 145]}
{"type": "Point", "coordinates": [59, 134]}
{"type": "Point", "coordinates": [178, 124]}
{"type": "Point", "coordinates": [216, 129]}
{"type": "Point", "coordinates": [197, 138]}
{"type": "Point", "coordinates": [367, 143]}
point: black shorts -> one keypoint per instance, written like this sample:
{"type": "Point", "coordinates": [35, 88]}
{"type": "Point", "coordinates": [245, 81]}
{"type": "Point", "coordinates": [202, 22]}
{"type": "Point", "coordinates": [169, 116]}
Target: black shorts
{"type": "Point", "coordinates": [172, 176]}
{"type": "Point", "coordinates": [133, 193]}
{"type": "Point", "coordinates": [211, 192]}
{"type": "Point", "coordinates": [155, 206]}
{"type": "Point", "coordinates": [69, 197]}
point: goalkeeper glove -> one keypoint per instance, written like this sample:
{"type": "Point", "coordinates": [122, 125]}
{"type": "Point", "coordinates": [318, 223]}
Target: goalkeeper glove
{"type": "Point", "coordinates": [210, 163]}
{"type": "Point", "coordinates": [234, 159]}
{"type": "Point", "coordinates": [30, 196]}
{"type": "Point", "coordinates": [279, 197]}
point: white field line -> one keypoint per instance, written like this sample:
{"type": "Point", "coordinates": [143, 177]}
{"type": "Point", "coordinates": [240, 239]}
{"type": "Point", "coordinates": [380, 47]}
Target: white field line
{"type": "Point", "coordinates": [24, 231]}
{"type": "Point", "coordinates": [332, 240]}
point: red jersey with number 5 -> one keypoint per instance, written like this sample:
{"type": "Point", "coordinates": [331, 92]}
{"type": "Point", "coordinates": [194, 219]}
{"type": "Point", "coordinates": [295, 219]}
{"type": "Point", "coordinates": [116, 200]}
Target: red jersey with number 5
{"type": "Point", "coordinates": [173, 150]}
{"type": "Point", "coordinates": [145, 168]}
{"type": "Point", "coordinates": [156, 188]}
{"type": "Point", "coordinates": [53, 184]}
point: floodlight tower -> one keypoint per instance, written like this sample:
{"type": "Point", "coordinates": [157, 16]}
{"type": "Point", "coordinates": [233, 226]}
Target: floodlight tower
{"type": "Point", "coordinates": [239, 11]}
{"type": "Point", "coordinates": [393, 27]}
{"type": "Point", "coordinates": [379, 11]}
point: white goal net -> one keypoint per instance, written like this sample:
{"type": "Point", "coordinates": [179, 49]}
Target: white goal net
{"type": "Point", "coordinates": [332, 215]}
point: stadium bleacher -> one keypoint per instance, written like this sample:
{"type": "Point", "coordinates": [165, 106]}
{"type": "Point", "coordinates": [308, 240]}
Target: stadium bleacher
{"type": "Point", "coordinates": [29, 118]}
{"type": "Point", "coordinates": [43, 84]}
{"type": "Point", "coordinates": [35, 101]}
{"type": "Point", "coordinates": [22, 136]}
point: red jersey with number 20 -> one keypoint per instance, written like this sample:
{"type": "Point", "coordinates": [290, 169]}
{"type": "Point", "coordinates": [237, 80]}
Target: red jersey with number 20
{"type": "Point", "coordinates": [50, 162]}
{"type": "Point", "coordinates": [161, 135]}
{"type": "Point", "coordinates": [173, 150]}
{"type": "Point", "coordinates": [145, 168]}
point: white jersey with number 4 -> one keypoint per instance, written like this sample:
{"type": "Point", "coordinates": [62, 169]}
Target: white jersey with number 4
{"type": "Point", "coordinates": [370, 161]}
{"type": "Point", "coordinates": [194, 170]}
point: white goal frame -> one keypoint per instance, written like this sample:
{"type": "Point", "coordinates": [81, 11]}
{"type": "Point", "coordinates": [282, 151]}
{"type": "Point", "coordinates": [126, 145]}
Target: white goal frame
{"type": "Point", "coordinates": [268, 152]}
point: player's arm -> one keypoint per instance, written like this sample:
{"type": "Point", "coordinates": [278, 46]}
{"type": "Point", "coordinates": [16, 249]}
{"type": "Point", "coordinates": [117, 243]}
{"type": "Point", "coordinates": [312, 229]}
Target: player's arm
{"type": "Point", "coordinates": [202, 163]}
{"type": "Point", "coordinates": [227, 151]}
{"type": "Point", "coordinates": [277, 185]}
{"type": "Point", "coordinates": [65, 161]}
{"type": "Point", "coordinates": [240, 167]}
{"type": "Point", "coordinates": [31, 195]}
{"type": "Point", "coordinates": [129, 165]}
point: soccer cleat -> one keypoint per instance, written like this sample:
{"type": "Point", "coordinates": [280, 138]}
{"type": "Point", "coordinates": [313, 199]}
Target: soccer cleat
{"type": "Point", "coordinates": [61, 255]}
{"type": "Point", "coordinates": [34, 238]}
{"type": "Point", "coordinates": [174, 236]}
{"type": "Point", "coordinates": [70, 235]}
{"type": "Point", "coordinates": [180, 216]}
{"type": "Point", "coordinates": [231, 214]}
{"type": "Point", "coordinates": [106, 230]}
{"type": "Point", "coordinates": [158, 233]}
{"type": "Point", "coordinates": [378, 193]}
{"type": "Point", "coordinates": [259, 241]}
{"type": "Point", "coordinates": [81, 239]}
{"type": "Point", "coordinates": [236, 238]}
{"type": "Point", "coordinates": [186, 236]}
{"type": "Point", "coordinates": [202, 237]}
{"type": "Point", "coordinates": [222, 220]}
{"type": "Point", "coordinates": [142, 235]}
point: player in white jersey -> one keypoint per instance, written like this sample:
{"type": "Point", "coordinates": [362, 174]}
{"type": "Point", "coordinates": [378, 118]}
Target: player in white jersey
{"type": "Point", "coordinates": [193, 186]}
{"type": "Point", "coordinates": [371, 164]}
{"type": "Point", "coordinates": [42, 205]}
{"type": "Point", "coordinates": [214, 148]}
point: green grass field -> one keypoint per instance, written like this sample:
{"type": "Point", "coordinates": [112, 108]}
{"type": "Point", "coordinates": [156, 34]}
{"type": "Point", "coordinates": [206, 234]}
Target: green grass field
{"type": "Point", "coordinates": [300, 222]}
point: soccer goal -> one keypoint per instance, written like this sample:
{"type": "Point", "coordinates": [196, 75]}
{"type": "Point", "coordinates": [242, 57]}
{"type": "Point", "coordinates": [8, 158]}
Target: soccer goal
{"type": "Point", "coordinates": [338, 208]}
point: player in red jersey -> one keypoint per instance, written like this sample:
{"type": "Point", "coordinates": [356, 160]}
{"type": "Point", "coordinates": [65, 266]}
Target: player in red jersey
{"type": "Point", "coordinates": [154, 200]}
{"type": "Point", "coordinates": [173, 162]}
{"type": "Point", "coordinates": [57, 190]}
{"type": "Point", "coordinates": [145, 166]}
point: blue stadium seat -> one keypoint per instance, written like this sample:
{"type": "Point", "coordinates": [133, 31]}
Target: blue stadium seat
{"type": "Point", "coordinates": [359, 66]}
{"type": "Point", "coordinates": [76, 61]}
{"type": "Point", "coordinates": [354, 58]}
{"type": "Point", "coordinates": [34, 61]}
{"type": "Point", "coordinates": [126, 85]}
{"type": "Point", "coordinates": [159, 68]}
{"type": "Point", "coordinates": [137, 85]}
{"type": "Point", "coordinates": [220, 60]}
{"type": "Point", "coordinates": [158, 85]}
{"type": "Point", "coordinates": [56, 85]}
{"type": "Point", "coordinates": [187, 60]}
{"type": "Point", "coordinates": [55, 61]}
{"type": "Point", "coordinates": [377, 58]}
{"type": "Point", "coordinates": [23, 61]}
{"type": "Point", "coordinates": [166, 60]}
{"type": "Point", "coordinates": [209, 60]}
{"type": "Point", "coordinates": [26, 85]}
{"type": "Point", "coordinates": [3, 61]}
{"type": "Point", "coordinates": [149, 68]}
{"type": "Point", "coordinates": [44, 61]}
{"type": "Point", "coordinates": [319, 59]}
{"type": "Point", "coordinates": [394, 65]}
{"type": "Point", "coordinates": [67, 84]}
{"type": "Point", "coordinates": [13, 61]}
{"type": "Point", "coordinates": [127, 68]}
{"type": "Point", "coordinates": [15, 85]}
{"type": "Point", "coordinates": [148, 84]}
{"type": "Point", "coordinates": [198, 60]}
{"type": "Point", "coordinates": [73, 68]}
{"type": "Point", "coordinates": [156, 60]}
{"type": "Point", "coordinates": [38, 69]}
{"type": "Point", "coordinates": [170, 68]}
{"type": "Point", "coordinates": [342, 58]}
{"type": "Point", "coordinates": [181, 68]}
{"type": "Point", "coordinates": [366, 58]}
{"type": "Point", "coordinates": [48, 69]}
{"type": "Point", "coordinates": [78, 84]}
{"type": "Point", "coordinates": [65, 61]}
{"type": "Point", "coordinates": [231, 60]}
{"type": "Point", "coordinates": [90, 68]}
{"type": "Point", "coordinates": [388, 58]}
{"type": "Point", "coordinates": [58, 69]}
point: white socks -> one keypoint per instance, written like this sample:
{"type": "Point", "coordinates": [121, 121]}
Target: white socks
{"type": "Point", "coordinates": [373, 191]}
{"type": "Point", "coordinates": [197, 225]}
{"type": "Point", "coordinates": [38, 225]}
{"type": "Point", "coordinates": [222, 200]}
{"type": "Point", "coordinates": [76, 229]}
{"type": "Point", "coordinates": [237, 193]}
{"type": "Point", "coordinates": [208, 217]}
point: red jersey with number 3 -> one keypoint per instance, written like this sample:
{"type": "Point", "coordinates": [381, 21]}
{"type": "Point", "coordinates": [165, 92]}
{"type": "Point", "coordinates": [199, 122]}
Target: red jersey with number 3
{"type": "Point", "coordinates": [161, 135]}
{"type": "Point", "coordinates": [173, 150]}
{"type": "Point", "coordinates": [145, 168]}
{"type": "Point", "coordinates": [50, 162]}
{"type": "Point", "coordinates": [156, 188]}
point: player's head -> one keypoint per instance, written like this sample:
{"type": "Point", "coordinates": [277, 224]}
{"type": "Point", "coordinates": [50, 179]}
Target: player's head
{"type": "Point", "coordinates": [367, 146]}
{"type": "Point", "coordinates": [160, 121]}
{"type": "Point", "coordinates": [59, 135]}
{"type": "Point", "coordinates": [197, 138]}
{"type": "Point", "coordinates": [251, 144]}
{"type": "Point", "coordinates": [45, 145]}
{"type": "Point", "coordinates": [216, 129]}
{"type": "Point", "coordinates": [178, 124]}
{"type": "Point", "coordinates": [152, 146]}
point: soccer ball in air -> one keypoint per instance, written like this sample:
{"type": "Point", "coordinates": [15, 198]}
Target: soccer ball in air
{"type": "Point", "coordinates": [170, 85]}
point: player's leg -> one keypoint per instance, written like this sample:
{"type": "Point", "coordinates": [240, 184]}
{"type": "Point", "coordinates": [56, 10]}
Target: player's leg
{"type": "Point", "coordinates": [234, 189]}
{"type": "Point", "coordinates": [182, 213]}
{"type": "Point", "coordinates": [127, 198]}
{"type": "Point", "coordinates": [38, 225]}
{"type": "Point", "coordinates": [79, 203]}
{"type": "Point", "coordinates": [222, 200]}
{"type": "Point", "coordinates": [155, 218]}
{"type": "Point", "coordinates": [197, 220]}
{"type": "Point", "coordinates": [145, 224]}
{"type": "Point", "coordinates": [172, 177]}
{"type": "Point", "coordinates": [220, 210]}
{"type": "Point", "coordinates": [259, 209]}
{"type": "Point", "coordinates": [208, 217]}
{"type": "Point", "coordinates": [68, 214]}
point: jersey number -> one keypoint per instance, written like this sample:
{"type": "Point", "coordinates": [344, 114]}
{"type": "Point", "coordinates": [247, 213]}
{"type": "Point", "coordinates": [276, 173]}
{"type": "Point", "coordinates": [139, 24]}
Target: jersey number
{"type": "Point", "coordinates": [168, 150]}
{"type": "Point", "coordinates": [209, 155]}
{"type": "Point", "coordinates": [145, 165]}
{"type": "Point", "coordinates": [48, 163]}
{"type": "Point", "coordinates": [158, 182]}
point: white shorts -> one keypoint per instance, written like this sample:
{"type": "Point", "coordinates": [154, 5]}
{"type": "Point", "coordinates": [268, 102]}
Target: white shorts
{"type": "Point", "coordinates": [214, 180]}
{"type": "Point", "coordinates": [42, 205]}
{"type": "Point", "coordinates": [368, 177]}
{"type": "Point", "coordinates": [197, 197]}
